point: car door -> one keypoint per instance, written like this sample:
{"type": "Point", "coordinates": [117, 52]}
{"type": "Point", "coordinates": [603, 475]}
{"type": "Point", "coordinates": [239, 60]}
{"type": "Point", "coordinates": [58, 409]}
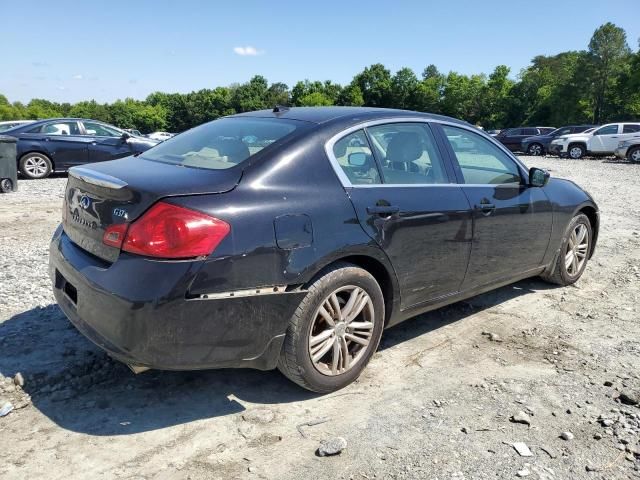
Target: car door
{"type": "Point", "coordinates": [62, 142]}
{"type": "Point", "coordinates": [511, 221]}
{"type": "Point", "coordinates": [107, 143]}
{"type": "Point", "coordinates": [512, 138]}
{"type": "Point", "coordinates": [606, 139]}
{"type": "Point", "coordinates": [406, 199]}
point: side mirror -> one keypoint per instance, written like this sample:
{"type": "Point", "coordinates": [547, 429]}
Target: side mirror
{"type": "Point", "coordinates": [357, 159]}
{"type": "Point", "coordinates": [538, 177]}
{"type": "Point", "coordinates": [125, 136]}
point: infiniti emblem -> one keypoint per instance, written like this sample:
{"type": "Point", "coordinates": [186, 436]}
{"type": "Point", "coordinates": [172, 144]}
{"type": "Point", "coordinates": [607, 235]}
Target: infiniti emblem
{"type": "Point", "coordinates": [85, 202]}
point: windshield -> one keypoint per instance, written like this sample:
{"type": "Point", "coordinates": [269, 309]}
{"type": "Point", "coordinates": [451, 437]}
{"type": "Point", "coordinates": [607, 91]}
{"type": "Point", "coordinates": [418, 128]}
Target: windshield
{"type": "Point", "coordinates": [223, 143]}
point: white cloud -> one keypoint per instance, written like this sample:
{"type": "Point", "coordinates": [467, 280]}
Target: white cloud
{"type": "Point", "coordinates": [78, 76]}
{"type": "Point", "coordinates": [248, 51]}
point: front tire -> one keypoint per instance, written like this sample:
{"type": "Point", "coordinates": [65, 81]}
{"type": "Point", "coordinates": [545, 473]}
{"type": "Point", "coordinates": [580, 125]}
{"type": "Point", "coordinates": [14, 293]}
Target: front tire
{"type": "Point", "coordinates": [634, 155]}
{"type": "Point", "coordinates": [35, 165]}
{"type": "Point", "coordinates": [535, 149]}
{"type": "Point", "coordinates": [576, 151]}
{"type": "Point", "coordinates": [335, 330]}
{"type": "Point", "coordinates": [574, 253]}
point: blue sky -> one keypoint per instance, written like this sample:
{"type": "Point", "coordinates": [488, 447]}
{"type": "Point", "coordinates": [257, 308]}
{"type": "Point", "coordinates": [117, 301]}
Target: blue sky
{"type": "Point", "coordinates": [72, 50]}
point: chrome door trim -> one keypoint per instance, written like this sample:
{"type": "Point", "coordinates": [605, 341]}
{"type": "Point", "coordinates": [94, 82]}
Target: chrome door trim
{"type": "Point", "coordinates": [346, 183]}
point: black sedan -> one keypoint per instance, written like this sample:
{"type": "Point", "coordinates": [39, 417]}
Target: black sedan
{"type": "Point", "coordinates": [57, 144]}
{"type": "Point", "coordinates": [293, 238]}
{"type": "Point", "coordinates": [539, 144]}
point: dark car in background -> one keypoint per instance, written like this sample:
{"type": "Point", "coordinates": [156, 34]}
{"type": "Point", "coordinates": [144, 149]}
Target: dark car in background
{"type": "Point", "coordinates": [512, 137]}
{"type": "Point", "coordinates": [539, 144]}
{"type": "Point", "coordinates": [291, 238]}
{"type": "Point", "coordinates": [55, 145]}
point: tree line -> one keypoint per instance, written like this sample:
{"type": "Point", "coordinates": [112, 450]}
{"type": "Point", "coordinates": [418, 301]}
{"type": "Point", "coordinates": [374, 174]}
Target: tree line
{"type": "Point", "coordinates": [596, 85]}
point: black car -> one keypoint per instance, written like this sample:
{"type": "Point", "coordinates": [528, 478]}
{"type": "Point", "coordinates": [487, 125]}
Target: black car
{"type": "Point", "coordinates": [539, 144]}
{"type": "Point", "coordinates": [295, 251]}
{"type": "Point", "coordinates": [512, 137]}
{"type": "Point", "coordinates": [57, 144]}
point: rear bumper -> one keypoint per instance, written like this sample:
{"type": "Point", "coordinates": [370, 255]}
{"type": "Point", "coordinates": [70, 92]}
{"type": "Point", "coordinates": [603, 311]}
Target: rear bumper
{"type": "Point", "coordinates": [137, 310]}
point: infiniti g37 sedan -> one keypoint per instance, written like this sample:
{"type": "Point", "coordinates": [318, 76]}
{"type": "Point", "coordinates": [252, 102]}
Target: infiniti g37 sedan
{"type": "Point", "coordinates": [292, 238]}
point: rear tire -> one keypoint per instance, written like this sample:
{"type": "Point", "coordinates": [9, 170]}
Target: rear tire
{"type": "Point", "coordinates": [35, 165]}
{"type": "Point", "coordinates": [535, 149]}
{"type": "Point", "coordinates": [574, 253]}
{"type": "Point", "coordinates": [633, 155]}
{"type": "Point", "coordinates": [324, 358]}
{"type": "Point", "coordinates": [576, 151]}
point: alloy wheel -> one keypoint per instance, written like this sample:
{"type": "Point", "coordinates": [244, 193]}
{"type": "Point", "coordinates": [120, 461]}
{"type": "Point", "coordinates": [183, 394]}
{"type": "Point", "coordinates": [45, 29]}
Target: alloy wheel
{"type": "Point", "coordinates": [577, 249]}
{"type": "Point", "coordinates": [36, 166]}
{"type": "Point", "coordinates": [575, 152]}
{"type": "Point", "coordinates": [535, 149]}
{"type": "Point", "coordinates": [341, 330]}
{"type": "Point", "coordinates": [635, 155]}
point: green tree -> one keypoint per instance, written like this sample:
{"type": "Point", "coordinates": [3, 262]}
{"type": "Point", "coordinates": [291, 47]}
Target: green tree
{"type": "Point", "coordinates": [608, 48]}
{"type": "Point", "coordinates": [404, 88]}
{"type": "Point", "coordinates": [375, 84]}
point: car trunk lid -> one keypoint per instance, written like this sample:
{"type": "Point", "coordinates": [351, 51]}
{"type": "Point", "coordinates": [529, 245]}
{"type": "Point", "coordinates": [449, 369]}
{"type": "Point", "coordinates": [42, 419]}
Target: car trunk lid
{"type": "Point", "coordinates": [100, 195]}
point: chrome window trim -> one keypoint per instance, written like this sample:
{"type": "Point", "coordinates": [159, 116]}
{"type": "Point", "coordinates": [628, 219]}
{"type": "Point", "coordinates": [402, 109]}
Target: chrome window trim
{"type": "Point", "coordinates": [346, 183]}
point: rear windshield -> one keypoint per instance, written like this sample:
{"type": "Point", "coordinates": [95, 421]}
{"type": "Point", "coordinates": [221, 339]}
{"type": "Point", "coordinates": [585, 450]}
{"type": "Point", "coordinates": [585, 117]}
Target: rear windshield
{"type": "Point", "coordinates": [223, 143]}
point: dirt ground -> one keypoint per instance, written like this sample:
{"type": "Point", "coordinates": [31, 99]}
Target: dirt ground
{"type": "Point", "coordinates": [434, 403]}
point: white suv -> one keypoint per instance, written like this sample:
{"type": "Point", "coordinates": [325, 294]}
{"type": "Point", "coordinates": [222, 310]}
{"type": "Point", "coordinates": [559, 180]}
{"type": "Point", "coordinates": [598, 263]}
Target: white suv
{"type": "Point", "coordinates": [600, 141]}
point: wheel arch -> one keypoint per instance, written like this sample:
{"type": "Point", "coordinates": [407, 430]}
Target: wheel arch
{"type": "Point", "coordinates": [383, 274]}
{"type": "Point", "coordinates": [581, 143]}
{"type": "Point", "coordinates": [592, 214]}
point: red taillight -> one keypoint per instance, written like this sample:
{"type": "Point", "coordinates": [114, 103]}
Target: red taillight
{"type": "Point", "coordinates": [169, 231]}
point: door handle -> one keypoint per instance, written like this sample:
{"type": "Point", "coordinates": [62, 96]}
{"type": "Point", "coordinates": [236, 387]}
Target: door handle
{"type": "Point", "coordinates": [383, 210]}
{"type": "Point", "coordinates": [486, 208]}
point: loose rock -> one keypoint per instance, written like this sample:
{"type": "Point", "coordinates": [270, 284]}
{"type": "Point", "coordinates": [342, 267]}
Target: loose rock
{"type": "Point", "coordinates": [521, 417]}
{"type": "Point", "coordinates": [6, 409]}
{"type": "Point", "coordinates": [19, 380]}
{"type": "Point", "coordinates": [332, 446]}
{"type": "Point", "coordinates": [567, 436]}
{"type": "Point", "coordinates": [629, 398]}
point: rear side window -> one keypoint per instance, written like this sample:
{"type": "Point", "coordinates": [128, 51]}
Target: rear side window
{"type": "Point", "coordinates": [61, 128]}
{"type": "Point", "coordinates": [408, 154]}
{"type": "Point", "coordinates": [631, 128]}
{"type": "Point", "coordinates": [354, 156]}
{"type": "Point", "coordinates": [481, 162]}
{"type": "Point", "coordinates": [101, 130]}
{"type": "Point", "coordinates": [223, 143]}
{"type": "Point", "coordinates": [530, 131]}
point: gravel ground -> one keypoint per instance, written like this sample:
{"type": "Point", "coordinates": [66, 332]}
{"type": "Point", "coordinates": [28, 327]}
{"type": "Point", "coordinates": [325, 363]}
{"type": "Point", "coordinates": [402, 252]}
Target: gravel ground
{"type": "Point", "coordinates": [442, 399]}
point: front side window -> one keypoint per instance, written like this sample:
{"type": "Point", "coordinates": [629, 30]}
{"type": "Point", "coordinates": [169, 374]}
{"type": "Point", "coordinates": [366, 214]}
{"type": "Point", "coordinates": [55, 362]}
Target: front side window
{"type": "Point", "coordinates": [60, 128]}
{"type": "Point", "coordinates": [101, 130]}
{"type": "Point", "coordinates": [608, 130]}
{"type": "Point", "coordinates": [631, 128]}
{"type": "Point", "coordinates": [481, 162]}
{"type": "Point", "coordinates": [223, 143]}
{"type": "Point", "coordinates": [408, 154]}
{"type": "Point", "coordinates": [530, 131]}
{"type": "Point", "coordinates": [355, 158]}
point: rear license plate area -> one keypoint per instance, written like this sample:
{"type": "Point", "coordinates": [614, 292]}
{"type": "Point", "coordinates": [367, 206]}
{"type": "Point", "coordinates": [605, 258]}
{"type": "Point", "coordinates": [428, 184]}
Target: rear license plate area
{"type": "Point", "coordinates": [67, 288]}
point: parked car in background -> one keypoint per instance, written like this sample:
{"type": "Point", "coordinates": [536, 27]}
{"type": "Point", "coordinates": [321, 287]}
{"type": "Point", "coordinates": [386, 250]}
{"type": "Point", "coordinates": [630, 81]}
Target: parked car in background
{"type": "Point", "coordinates": [4, 126]}
{"type": "Point", "coordinates": [208, 252]}
{"type": "Point", "coordinates": [493, 133]}
{"type": "Point", "coordinates": [160, 136]}
{"type": "Point", "coordinates": [601, 141]}
{"type": "Point", "coordinates": [55, 145]}
{"type": "Point", "coordinates": [629, 149]}
{"type": "Point", "coordinates": [512, 137]}
{"type": "Point", "coordinates": [133, 131]}
{"type": "Point", "coordinates": [539, 144]}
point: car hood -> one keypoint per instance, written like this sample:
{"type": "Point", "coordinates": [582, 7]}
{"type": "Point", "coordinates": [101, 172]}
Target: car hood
{"type": "Point", "coordinates": [575, 136]}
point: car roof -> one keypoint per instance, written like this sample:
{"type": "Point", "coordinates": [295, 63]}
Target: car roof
{"type": "Point", "coordinates": [321, 115]}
